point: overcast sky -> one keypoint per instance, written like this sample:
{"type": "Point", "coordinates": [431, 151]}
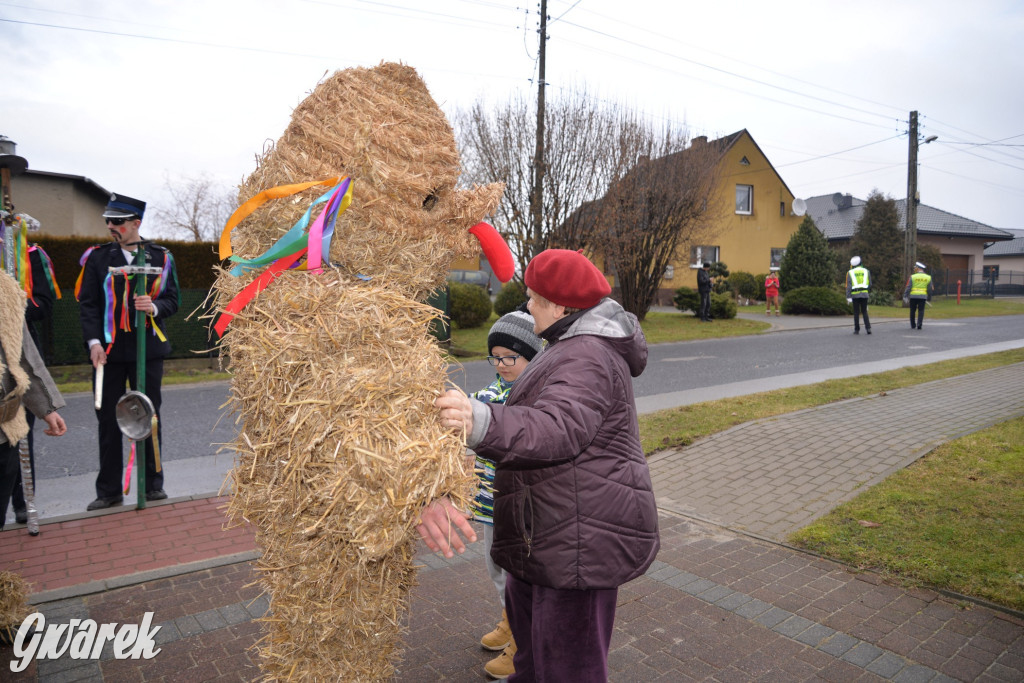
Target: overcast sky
{"type": "Point", "coordinates": [131, 92]}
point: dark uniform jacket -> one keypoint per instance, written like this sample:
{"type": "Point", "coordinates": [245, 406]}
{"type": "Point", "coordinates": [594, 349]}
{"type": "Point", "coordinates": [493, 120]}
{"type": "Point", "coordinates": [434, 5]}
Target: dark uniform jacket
{"type": "Point", "coordinates": [92, 301]}
{"type": "Point", "coordinates": [574, 507]}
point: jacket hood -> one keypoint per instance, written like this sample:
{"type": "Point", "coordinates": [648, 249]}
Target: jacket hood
{"type": "Point", "coordinates": [620, 328]}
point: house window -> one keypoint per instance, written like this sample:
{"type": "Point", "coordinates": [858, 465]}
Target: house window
{"type": "Point", "coordinates": [745, 199]}
{"type": "Point", "coordinates": [776, 261]}
{"type": "Point", "coordinates": [698, 255]}
{"type": "Point", "coordinates": [782, 209]}
{"type": "Point", "coordinates": [990, 272]}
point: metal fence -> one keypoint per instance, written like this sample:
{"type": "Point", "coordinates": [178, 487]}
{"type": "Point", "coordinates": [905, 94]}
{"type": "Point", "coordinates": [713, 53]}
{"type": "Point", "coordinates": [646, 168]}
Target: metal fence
{"type": "Point", "coordinates": [978, 282]}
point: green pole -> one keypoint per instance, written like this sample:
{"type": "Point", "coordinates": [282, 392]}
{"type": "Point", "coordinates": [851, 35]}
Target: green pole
{"type": "Point", "coordinates": [140, 374]}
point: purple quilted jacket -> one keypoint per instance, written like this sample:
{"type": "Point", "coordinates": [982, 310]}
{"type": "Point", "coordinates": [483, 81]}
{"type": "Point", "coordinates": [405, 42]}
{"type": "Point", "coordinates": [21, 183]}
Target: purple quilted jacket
{"type": "Point", "coordinates": [574, 507]}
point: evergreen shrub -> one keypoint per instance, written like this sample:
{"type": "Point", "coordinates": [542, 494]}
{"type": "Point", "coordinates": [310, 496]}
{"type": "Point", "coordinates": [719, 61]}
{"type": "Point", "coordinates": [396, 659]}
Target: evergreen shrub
{"type": "Point", "coordinates": [723, 306]}
{"type": "Point", "coordinates": [687, 299]}
{"type": "Point", "coordinates": [511, 296]}
{"type": "Point", "coordinates": [815, 301]}
{"type": "Point", "coordinates": [470, 305]}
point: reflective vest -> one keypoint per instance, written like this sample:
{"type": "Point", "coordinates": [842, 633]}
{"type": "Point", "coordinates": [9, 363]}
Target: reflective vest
{"type": "Point", "coordinates": [919, 284]}
{"type": "Point", "coordinates": [859, 277]}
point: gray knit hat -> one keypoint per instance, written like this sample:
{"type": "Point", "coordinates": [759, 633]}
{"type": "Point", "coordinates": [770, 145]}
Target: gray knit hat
{"type": "Point", "coordinates": [515, 331]}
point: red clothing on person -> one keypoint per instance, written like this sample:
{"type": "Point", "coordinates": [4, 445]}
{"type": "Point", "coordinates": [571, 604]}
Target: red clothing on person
{"type": "Point", "coordinates": [771, 285]}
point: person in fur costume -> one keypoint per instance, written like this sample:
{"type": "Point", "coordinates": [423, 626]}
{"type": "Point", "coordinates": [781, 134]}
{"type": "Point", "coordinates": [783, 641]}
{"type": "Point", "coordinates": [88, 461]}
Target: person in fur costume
{"type": "Point", "coordinates": [25, 383]}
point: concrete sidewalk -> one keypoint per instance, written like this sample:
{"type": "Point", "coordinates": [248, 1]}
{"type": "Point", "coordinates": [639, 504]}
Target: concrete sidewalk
{"type": "Point", "coordinates": [722, 602]}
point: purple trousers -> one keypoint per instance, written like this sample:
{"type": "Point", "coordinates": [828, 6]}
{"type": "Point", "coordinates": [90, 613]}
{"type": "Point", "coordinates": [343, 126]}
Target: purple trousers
{"type": "Point", "coordinates": [561, 635]}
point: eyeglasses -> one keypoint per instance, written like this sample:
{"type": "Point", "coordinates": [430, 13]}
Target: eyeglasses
{"type": "Point", "coordinates": [502, 360]}
{"type": "Point", "coordinates": [118, 221]}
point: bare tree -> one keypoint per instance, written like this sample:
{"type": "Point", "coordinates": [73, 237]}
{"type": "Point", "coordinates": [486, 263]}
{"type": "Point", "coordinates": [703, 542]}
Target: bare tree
{"type": "Point", "coordinates": [197, 208]}
{"type": "Point", "coordinates": [661, 206]}
{"type": "Point", "coordinates": [498, 144]}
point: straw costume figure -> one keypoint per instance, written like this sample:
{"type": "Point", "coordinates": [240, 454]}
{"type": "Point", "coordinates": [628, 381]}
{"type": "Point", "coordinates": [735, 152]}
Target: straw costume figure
{"type": "Point", "coordinates": [334, 370]}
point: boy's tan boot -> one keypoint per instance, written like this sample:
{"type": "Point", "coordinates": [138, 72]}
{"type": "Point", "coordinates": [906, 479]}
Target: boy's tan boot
{"type": "Point", "coordinates": [501, 666]}
{"type": "Point", "coordinates": [500, 637]}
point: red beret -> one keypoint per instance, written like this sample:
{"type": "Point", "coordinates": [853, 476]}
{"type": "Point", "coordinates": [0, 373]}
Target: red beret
{"type": "Point", "coordinates": [566, 278]}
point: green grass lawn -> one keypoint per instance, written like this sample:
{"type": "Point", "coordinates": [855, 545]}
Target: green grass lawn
{"type": "Point", "coordinates": [946, 307]}
{"type": "Point", "coordinates": [954, 520]}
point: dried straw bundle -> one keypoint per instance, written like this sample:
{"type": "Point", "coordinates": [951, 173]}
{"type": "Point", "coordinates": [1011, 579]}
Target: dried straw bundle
{"type": "Point", "coordinates": [407, 222]}
{"type": "Point", "coordinates": [13, 606]}
{"type": "Point", "coordinates": [334, 378]}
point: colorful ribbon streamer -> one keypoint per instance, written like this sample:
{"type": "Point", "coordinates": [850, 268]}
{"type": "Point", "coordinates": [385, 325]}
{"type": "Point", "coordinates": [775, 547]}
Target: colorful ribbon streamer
{"type": "Point", "coordinates": [256, 202]}
{"type": "Point", "coordinates": [51, 276]}
{"type": "Point", "coordinates": [287, 251]}
{"type": "Point", "coordinates": [128, 469]}
{"type": "Point", "coordinates": [243, 298]}
{"type": "Point", "coordinates": [81, 273]}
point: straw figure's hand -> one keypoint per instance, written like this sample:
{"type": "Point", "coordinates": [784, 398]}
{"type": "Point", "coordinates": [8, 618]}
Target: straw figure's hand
{"type": "Point", "coordinates": [440, 525]}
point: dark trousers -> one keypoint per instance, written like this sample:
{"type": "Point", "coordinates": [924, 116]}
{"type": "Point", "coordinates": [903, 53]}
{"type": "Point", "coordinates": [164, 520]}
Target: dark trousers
{"type": "Point", "coordinates": [18, 497]}
{"type": "Point", "coordinates": [9, 465]}
{"type": "Point", "coordinates": [860, 307]}
{"type": "Point", "coordinates": [561, 635]}
{"type": "Point", "coordinates": [110, 481]}
{"type": "Point", "coordinates": [918, 306]}
{"type": "Point", "coordinates": [705, 305]}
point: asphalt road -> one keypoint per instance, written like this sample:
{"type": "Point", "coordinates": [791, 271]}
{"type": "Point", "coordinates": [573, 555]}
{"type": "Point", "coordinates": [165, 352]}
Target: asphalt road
{"type": "Point", "coordinates": [195, 426]}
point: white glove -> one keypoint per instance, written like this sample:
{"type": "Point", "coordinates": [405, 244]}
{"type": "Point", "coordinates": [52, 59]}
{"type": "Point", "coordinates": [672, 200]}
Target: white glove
{"type": "Point", "coordinates": [849, 300]}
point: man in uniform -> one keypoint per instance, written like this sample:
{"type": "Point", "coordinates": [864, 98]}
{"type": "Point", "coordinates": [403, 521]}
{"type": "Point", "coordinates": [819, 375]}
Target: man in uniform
{"type": "Point", "coordinates": [917, 292]}
{"type": "Point", "coordinates": [858, 282]}
{"type": "Point", "coordinates": [108, 326]}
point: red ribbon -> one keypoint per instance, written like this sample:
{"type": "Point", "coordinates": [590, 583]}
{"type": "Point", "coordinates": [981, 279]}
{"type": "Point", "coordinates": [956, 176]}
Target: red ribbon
{"type": "Point", "coordinates": [250, 291]}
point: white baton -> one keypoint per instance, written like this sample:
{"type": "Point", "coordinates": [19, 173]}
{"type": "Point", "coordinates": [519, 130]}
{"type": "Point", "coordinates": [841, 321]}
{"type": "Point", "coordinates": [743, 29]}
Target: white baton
{"type": "Point", "coordinates": [98, 391]}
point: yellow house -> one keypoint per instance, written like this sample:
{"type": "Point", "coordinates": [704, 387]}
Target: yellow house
{"type": "Point", "coordinates": [754, 216]}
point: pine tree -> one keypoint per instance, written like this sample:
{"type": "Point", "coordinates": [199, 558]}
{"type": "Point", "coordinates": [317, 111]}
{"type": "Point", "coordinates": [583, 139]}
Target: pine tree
{"type": "Point", "coordinates": [879, 243]}
{"type": "Point", "coordinates": [809, 261]}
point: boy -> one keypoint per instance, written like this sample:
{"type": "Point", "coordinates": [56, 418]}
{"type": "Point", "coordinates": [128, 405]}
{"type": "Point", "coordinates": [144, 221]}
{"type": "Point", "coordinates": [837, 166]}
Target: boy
{"type": "Point", "coordinates": [512, 345]}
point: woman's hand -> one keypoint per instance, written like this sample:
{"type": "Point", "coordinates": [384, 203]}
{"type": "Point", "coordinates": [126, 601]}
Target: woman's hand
{"type": "Point", "coordinates": [456, 410]}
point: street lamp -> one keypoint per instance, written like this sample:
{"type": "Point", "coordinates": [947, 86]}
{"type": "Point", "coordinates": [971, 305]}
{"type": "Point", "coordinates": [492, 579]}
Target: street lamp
{"type": "Point", "coordinates": [910, 232]}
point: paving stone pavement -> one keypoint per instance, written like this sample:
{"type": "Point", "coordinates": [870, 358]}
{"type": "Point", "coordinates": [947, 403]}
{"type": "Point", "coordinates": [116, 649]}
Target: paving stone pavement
{"type": "Point", "coordinates": [773, 476]}
{"type": "Point", "coordinates": [719, 604]}
{"type": "Point", "coordinates": [715, 606]}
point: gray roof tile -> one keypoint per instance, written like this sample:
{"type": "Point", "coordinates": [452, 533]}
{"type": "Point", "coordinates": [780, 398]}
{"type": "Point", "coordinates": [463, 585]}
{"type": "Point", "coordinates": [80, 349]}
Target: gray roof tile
{"type": "Point", "coordinates": [836, 217]}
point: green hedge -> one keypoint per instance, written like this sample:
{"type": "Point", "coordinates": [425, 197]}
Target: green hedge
{"type": "Point", "coordinates": [815, 301]}
{"type": "Point", "coordinates": [194, 260]}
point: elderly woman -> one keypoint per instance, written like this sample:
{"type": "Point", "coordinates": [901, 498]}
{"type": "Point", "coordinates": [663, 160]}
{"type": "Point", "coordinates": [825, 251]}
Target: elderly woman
{"type": "Point", "coordinates": [574, 511]}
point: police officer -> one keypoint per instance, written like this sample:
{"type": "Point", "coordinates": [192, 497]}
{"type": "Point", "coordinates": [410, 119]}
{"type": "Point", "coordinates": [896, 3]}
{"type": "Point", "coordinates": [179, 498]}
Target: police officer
{"type": "Point", "coordinates": [858, 282]}
{"type": "Point", "coordinates": [917, 292]}
{"type": "Point", "coordinates": [123, 216]}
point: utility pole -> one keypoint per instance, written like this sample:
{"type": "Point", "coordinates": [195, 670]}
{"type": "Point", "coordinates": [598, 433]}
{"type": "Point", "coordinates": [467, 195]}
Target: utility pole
{"type": "Point", "coordinates": [910, 234]}
{"type": "Point", "coordinates": [537, 196]}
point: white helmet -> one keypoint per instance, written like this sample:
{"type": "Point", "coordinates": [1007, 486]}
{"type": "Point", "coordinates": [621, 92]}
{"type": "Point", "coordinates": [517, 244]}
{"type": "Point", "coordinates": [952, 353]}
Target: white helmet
{"type": "Point", "coordinates": [855, 261]}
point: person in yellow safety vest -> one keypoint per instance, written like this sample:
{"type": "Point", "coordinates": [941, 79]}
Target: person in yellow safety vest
{"type": "Point", "coordinates": [858, 282]}
{"type": "Point", "coordinates": [918, 291]}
